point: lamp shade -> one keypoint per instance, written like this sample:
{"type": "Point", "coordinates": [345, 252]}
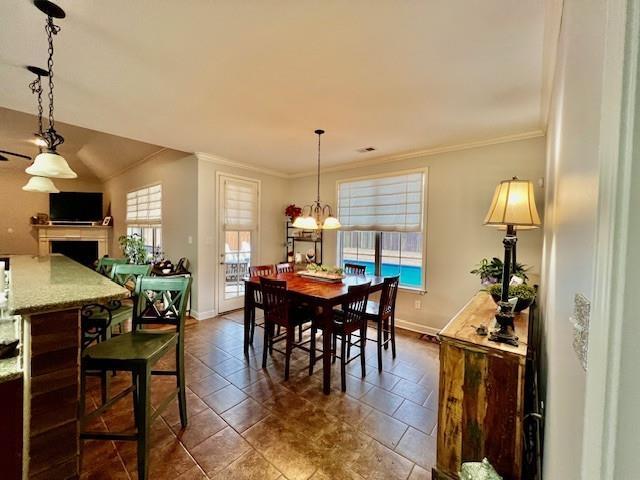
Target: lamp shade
{"type": "Point", "coordinates": [513, 204]}
{"type": "Point", "coordinates": [306, 223]}
{"type": "Point", "coordinates": [52, 165]}
{"type": "Point", "coordinates": [41, 185]}
{"type": "Point", "coordinates": [330, 223]}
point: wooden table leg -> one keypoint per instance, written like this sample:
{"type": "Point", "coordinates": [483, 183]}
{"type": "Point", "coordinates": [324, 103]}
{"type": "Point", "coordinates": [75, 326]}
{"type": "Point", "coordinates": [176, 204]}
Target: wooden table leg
{"type": "Point", "coordinates": [326, 320]}
{"type": "Point", "coordinates": [248, 310]}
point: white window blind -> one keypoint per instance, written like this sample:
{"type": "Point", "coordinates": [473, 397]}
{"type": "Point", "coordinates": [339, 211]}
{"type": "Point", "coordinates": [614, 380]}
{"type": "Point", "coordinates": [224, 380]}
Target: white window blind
{"type": "Point", "coordinates": [384, 204]}
{"type": "Point", "coordinates": [240, 205]}
{"type": "Point", "coordinates": [144, 206]}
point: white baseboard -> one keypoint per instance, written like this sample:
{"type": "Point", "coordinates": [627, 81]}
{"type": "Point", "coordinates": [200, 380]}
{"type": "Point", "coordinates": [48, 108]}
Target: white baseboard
{"type": "Point", "coordinates": [417, 327]}
{"type": "Point", "coordinates": [203, 315]}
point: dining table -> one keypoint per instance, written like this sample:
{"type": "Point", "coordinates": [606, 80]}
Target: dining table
{"type": "Point", "coordinates": [323, 296]}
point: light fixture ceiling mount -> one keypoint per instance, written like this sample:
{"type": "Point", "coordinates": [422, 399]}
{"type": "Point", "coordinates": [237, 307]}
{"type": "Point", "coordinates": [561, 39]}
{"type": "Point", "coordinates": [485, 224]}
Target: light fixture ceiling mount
{"type": "Point", "coordinates": [317, 216]}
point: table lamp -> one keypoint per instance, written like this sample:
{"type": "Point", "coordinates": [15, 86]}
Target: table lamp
{"type": "Point", "coordinates": [513, 206]}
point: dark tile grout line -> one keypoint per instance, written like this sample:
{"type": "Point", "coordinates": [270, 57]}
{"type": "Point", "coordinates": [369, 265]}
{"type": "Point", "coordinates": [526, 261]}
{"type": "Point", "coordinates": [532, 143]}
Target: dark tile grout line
{"type": "Point", "coordinates": [357, 428]}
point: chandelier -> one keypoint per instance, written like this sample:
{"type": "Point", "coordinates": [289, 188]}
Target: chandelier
{"type": "Point", "coordinates": [317, 216]}
{"type": "Point", "coordinates": [48, 163]}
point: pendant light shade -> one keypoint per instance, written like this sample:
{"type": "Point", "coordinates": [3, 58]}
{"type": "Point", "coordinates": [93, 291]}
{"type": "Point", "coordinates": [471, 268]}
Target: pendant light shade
{"type": "Point", "coordinates": [331, 223]}
{"type": "Point", "coordinates": [40, 185]}
{"type": "Point", "coordinates": [52, 165]}
{"type": "Point", "coordinates": [318, 216]}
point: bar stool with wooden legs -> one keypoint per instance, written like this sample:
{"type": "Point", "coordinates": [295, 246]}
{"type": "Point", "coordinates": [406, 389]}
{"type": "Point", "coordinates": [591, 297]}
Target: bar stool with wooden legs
{"type": "Point", "coordinates": [384, 316]}
{"type": "Point", "coordinates": [98, 321]}
{"type": "Point", "coordinates": [161, 301]}
{"type": "Point", "coordinates": [354, 269]}
{"type": "Point", "coordinates": [258, 271]}
{"type": "Point", "coordinates": [105, 265]}
{"type": "Point", "coordinates": [346, 321]}
{"type": "Point", "coordinates": [279, 311]}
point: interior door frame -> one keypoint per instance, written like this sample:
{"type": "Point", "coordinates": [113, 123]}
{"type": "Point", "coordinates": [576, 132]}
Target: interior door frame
{"type": "Point", "coordinates": [255, 252]}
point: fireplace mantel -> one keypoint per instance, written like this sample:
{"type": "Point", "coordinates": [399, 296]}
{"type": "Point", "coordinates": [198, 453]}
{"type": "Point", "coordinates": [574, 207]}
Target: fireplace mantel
{"type": "Point", "coordinates": [51, 233]}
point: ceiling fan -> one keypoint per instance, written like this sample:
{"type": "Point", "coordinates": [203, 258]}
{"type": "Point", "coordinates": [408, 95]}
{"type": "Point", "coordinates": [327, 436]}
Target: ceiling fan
{"type": "Point", "coordinates": [3, 157]}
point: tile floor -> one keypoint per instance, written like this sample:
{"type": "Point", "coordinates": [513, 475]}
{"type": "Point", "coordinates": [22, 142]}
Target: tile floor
{"type": "Point", "coordinates": [247, 423]}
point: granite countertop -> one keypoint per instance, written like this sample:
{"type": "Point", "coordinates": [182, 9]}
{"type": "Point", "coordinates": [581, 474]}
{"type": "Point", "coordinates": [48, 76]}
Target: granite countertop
{"type": "Point", "coordinates": [55, 282]}
{"type": "Point", "coordinates": [10, 368]}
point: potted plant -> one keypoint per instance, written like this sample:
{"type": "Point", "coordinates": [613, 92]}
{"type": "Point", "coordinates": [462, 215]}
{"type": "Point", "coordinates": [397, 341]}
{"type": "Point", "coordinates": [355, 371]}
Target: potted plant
{"type": "Point", "coordinates": [524, 292]}
{"type": "Point", "coordinates": [134, 249]}
{"type": "Point", "coordinates": [293, 212]}
{"type": "Point", "coordinates": [490, 271]}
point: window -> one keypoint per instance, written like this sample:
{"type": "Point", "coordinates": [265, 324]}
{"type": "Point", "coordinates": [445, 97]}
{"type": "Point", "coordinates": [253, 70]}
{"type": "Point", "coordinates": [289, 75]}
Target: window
{"type": "Point", "coordinates": [144, 217]}
{"type": "Point", "coordinates": [383, 226]}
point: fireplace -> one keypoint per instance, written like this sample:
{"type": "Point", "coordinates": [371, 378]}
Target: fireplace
{"type": "Point", "coordinates": [83, 243]}
{"type": "Point", "coordinates": [84, 252]}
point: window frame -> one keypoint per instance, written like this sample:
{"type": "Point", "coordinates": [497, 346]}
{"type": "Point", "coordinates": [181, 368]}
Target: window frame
{"type": "Point", "coordinates": [153, 225]}
{"type": "Point", "coordinates": [378, 234]}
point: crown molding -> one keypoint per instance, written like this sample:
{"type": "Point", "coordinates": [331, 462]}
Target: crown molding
{"type": "Point", "coordinates": [134, 164]}
{"type": "Point", "coordinates": [425, 153]}
{"type": "Point", "coordinates": [218, 160]}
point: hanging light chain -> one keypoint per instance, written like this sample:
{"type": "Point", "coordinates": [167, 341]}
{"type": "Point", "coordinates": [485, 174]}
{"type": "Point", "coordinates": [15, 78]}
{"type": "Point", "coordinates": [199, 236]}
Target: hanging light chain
{"type": "Point", "coordinates": [52, 137]}
{"type": "Point", "coordinates": [36, 87]}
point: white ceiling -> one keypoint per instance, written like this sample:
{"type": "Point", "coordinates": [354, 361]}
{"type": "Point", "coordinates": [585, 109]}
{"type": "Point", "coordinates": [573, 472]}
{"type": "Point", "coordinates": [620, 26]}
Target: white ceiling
{"type": "Point", "coordinates": [249, 81]}
{"type": "Point", "coordinates": [92, 155]}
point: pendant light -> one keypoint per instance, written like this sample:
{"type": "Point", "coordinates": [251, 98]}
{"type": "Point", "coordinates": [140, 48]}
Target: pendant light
{"type": "Point", "coordinates": [318, 216]}
{"type": "Point", "coordinates": [40, 185]}
{"type": "Point", "coordinates": [49, 163]}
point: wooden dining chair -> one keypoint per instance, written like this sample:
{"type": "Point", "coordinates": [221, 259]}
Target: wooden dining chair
{"type": "Point", "coordinates": [346, 321]}
{"type": "Point", "coordinates": [258, 271]}
{"type": "Point", "coordinates": [354, 269]}
{"type": "Point", "coordinates": [279, 311]}
{"type": "Point", "coordinates": [161, 301]}
{"type": "Point", "coordinates": [384, 316]}
{"type": "Point", "coordinates": [285, 267]}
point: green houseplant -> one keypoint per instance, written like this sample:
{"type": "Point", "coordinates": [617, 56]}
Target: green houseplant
{"type": "Point", "coordinates": [525, 294]}
{"type": "Point", "coordinates": [490, 271]}
{"type": "Point", "coordinates": [134, 249]}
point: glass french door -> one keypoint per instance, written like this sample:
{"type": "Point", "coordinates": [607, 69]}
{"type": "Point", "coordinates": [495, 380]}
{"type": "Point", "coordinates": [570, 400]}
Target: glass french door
{"type": "Point", "coordinates": [235, 266]}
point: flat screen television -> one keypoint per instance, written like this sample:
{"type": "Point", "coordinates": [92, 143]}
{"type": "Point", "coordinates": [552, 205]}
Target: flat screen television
{"type": "Point", "coordinates": [75, 206]}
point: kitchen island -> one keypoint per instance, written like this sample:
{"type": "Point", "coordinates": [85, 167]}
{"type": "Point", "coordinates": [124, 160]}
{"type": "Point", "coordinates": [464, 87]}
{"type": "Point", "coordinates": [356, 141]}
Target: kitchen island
{"type": "Point", "coordinates": [45, 298]}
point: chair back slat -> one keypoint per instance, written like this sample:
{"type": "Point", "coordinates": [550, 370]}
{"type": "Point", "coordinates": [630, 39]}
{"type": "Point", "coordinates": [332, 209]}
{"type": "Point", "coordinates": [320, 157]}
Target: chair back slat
{"type": "Point", "coordinates": [275, 301]}
{"type": "Point", "coordinates": [260, 271]}
{"type": "Point", "coordinates": [356, 303]}
{"type": "Point", "coordinates": [128, 274]}
{"type": "Point", "coordinates": [105, 265]}
{"type": "Point", "coordinates": [285, 268]}
{"type": "Point", "coordinates": [388, 297]}
{"type": "Point", "coordinates": [162, 301]}
{"type": "Point", "coordinates": [354, 269]}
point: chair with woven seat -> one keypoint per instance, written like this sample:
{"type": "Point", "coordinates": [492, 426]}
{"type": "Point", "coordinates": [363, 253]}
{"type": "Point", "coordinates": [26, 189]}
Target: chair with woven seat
{"type": "Point", "coordinates": [99, 320]}
{"type": "Point", "coordinates": [258, 271]}
{"type": "Point", "coordinates": [160, 301]}
{"type": "Point", "coordinates": [354, 269]}
{"type": "Point", "coordinates": [384, 315]}
{"type": "Point", "coordinates": [279, 311]}
{"type": "Point", "coordinates": [347, 320]}
{"type": "Point", "coordinates": [105, 265]}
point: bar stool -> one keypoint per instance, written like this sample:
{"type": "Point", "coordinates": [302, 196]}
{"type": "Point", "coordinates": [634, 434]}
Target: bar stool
{"type": "Point", "coordinates": [105, 265]}
{"type": "Point", "coordinates": [384, 315]}
{"type": "Point", "coordinates": [98, 321]}
{"type": "Point", "coordinates": [258, 271]}
{"type": "Point", "coordinates": [354, 269]}
{"type": "Point", "coordinates": [281, 312]}
{"type": "Point", "coordinates": [346, 321]}
{"type": "Point", "coordinates": [161, 301]}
